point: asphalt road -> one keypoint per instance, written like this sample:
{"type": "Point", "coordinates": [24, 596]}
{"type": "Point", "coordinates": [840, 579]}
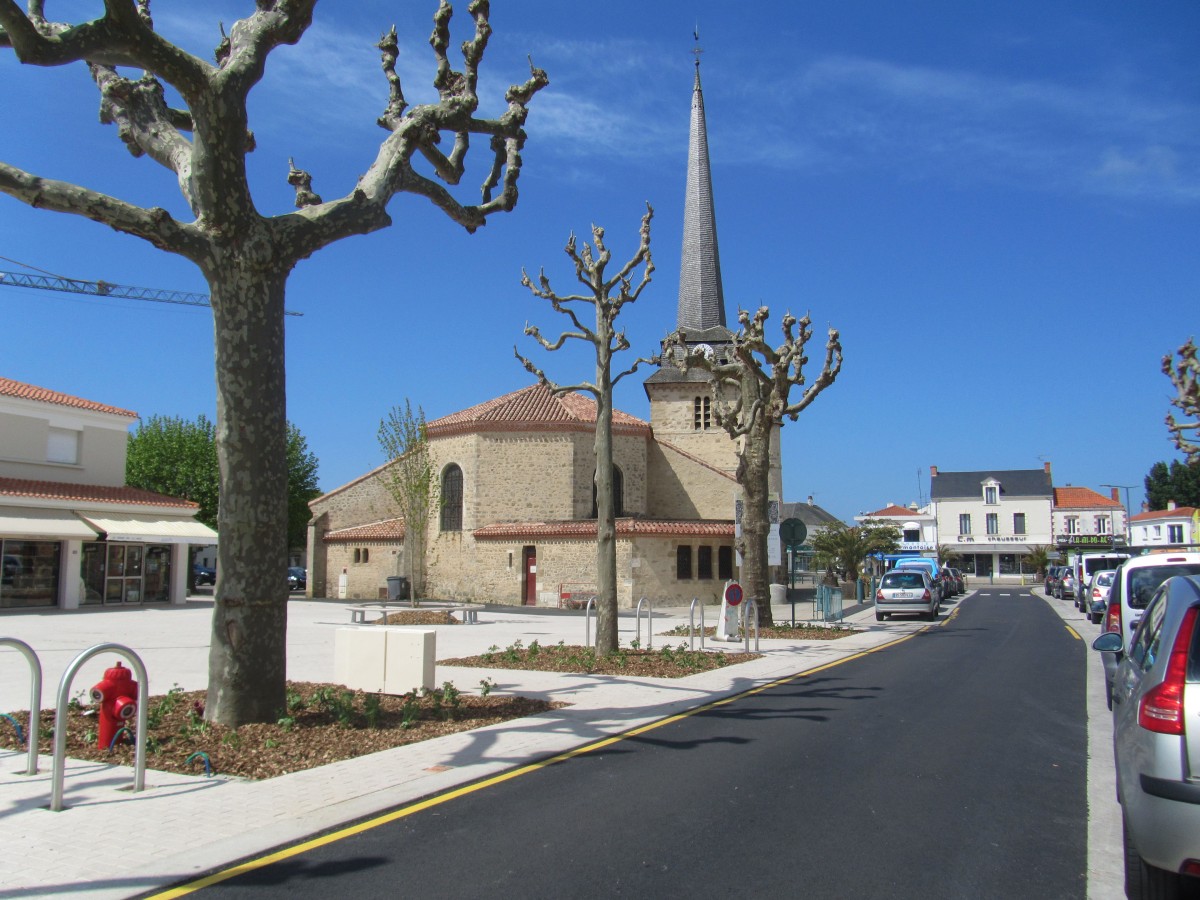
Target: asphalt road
{"type": "Point", "coordinates": [950, 765]}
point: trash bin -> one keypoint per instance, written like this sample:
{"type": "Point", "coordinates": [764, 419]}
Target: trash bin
{"type": "Point", "coordinates": [397, 587]}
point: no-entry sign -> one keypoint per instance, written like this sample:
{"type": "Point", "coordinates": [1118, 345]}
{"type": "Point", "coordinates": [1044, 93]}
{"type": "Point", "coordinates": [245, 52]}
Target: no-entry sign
{"type": "Point", "coordinates": [733, 593]}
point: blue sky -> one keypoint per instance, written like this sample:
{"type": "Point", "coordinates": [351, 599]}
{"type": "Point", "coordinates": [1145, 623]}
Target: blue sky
{"type": "Point", "coordinates": [997, 204]}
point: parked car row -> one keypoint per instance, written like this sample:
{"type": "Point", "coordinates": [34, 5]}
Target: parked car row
{"type": "Point", "coordinates": [1150, 649]}
{"type": "Point", "coordinates": [917, 585]}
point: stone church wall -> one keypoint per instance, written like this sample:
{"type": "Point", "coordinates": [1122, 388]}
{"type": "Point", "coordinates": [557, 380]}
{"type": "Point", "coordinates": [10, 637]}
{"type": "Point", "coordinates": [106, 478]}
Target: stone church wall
{"type": "Point", "coordinates": [682, 489]}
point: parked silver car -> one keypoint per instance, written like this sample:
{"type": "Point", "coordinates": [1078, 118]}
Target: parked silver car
{"type": "Point", "coordinates": [1064, 587]}
{"type": "Point", "coordinates": [907, 591]}
{"type": "Point", "coordinates": [1156, 741]}
{"type": "Point", "coordinates": [1093, 599]}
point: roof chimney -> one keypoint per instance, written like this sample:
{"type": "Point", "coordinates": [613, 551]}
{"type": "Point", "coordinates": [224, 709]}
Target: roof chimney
{"type": "Point", "coordinates": [1170, 504]}
{"type": "Point", "coordinates": [1116, 496]}
{"type": "Point", "coordinates": [1046, 467]}
{"type": "Point", "coordinates": [810, 500]}
{"type": "Point", "coordinates": [933, 471]}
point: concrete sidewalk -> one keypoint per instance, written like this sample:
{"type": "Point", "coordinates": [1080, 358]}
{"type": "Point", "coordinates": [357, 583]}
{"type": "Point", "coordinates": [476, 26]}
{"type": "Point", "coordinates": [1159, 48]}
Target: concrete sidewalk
{"type": "Point", "coordinates": [183, 826]}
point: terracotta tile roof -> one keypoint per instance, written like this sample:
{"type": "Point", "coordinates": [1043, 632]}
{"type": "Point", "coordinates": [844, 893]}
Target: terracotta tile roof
{"type": "Point", "coordinates": [387, 530]}
{"type": "Point", "coordinates": [895, 512]}
{"type": "Point", "coordinates": [1179, 512]}
{"type": "Point", "coordinates": [1082, 498]}
{"type": "Point", "coordinates": [586, 528]}
{"type": "Point", "coordinates": [10, 388]}
{"type": "Point", "coordinates": [88, 493]}
{"type": "Point", "coordinates": [533, 408]}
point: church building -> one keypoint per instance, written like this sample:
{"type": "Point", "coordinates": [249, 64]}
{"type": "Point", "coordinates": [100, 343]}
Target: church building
{"type": "Point", "coordinates": [516, 517]}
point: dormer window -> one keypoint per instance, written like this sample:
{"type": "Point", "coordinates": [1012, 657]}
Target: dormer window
{"type": "Point", "coordinates": [991, 493]}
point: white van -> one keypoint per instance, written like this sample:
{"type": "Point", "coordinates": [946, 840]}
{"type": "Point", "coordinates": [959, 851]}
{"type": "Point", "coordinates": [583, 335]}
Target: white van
{"type": "Point", "coordinates": [1085, 565]}
{"type": "Point", "coordinates": [1135, 583]}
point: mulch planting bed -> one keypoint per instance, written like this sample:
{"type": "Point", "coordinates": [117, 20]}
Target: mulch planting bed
{"type": "Point", "coordinates": [324, 723]}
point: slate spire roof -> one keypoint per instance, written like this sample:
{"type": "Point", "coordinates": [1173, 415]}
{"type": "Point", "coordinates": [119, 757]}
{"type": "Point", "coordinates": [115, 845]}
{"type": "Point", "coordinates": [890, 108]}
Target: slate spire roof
{"type": "Point", "coordinates": [701, 297]}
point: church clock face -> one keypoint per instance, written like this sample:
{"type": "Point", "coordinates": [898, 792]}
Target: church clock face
{"type": "Point", "coordinates": [706, 349]}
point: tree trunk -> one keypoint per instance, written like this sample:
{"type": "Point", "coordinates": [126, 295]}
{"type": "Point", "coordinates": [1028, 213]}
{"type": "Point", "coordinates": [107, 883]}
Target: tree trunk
{"type": "Point", "coordinates": [247, 663]}
{"type": "Point", "coordinates": [606, 529]}
{"type": "Point", "coordinates": [754, 466]}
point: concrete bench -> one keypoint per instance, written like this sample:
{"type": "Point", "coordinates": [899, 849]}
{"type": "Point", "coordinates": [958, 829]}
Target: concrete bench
{"type": "Point", "coordinates": [468, 611]}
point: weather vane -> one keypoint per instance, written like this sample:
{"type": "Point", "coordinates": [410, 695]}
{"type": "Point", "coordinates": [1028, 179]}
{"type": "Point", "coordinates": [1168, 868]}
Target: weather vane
{"type": "Point", "coordinates": [696, 51]}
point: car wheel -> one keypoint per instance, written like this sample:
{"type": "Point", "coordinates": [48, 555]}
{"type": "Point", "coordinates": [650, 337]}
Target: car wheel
{"type": "Point", "coordinates": [878, 616]}
{"type": "Point", "coordinates": [1144, 881]}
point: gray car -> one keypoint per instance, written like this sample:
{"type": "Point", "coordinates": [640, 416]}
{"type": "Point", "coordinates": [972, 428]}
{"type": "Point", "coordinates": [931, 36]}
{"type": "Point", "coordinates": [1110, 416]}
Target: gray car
{"type": "Point", "coordinates": [1094, 597]}
{"type": "Point", "coordinates": [907, 591]}
{"type": "Point", "coordinates": [1156, 741]}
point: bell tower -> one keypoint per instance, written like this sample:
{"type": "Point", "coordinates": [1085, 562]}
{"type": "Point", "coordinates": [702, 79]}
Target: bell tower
{"type": "Point", "coordinates": [682, 403]}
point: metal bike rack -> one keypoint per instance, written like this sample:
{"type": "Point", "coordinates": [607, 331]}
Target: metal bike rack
{"type": "Point", "coordinates": [692, 624]}
{"type": "Point", "coordinates": [747, 606]}
{"type": "Point", "coordinates": [60, 719]}
{"type": "Point", "coordinates": [587, 623]}
{"type": "Point", "coordinates": [35, 698]}
{"type": "Point", "coordinates": [649, 623]}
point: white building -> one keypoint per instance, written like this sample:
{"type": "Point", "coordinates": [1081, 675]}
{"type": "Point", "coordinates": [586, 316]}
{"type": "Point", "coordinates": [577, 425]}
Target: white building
{"type": "Point", "coordinates": [71, 532]}
{"type": "Point", "coordinates": [918, 527]}
{"type": "Point", "coordinates": [991, 518]}
{"type": "Point", "coordinates": [1170, 527]}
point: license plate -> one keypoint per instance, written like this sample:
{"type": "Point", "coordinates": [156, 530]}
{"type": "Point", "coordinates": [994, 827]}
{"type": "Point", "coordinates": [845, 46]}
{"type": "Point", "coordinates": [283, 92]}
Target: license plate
{"type": "Point", "coordinates": [903, 595]}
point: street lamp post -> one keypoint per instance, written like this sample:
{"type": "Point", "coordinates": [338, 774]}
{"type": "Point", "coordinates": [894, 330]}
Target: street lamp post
{"type": "Point", "coordinates": [1127, 488]}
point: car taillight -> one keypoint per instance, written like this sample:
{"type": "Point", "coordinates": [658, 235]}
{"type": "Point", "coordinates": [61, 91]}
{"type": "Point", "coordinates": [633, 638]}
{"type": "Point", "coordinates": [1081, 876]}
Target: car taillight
{"type": "Point", "coordinates": [1161, 710]}
{"type": "Point", "coordinates": [879, 595]}
{"type": "Point", "coordinates": [1112, 619]}
{"type": "Point", "coordinates": [926, 596]}
{"type": "Point", "coordinates": [1096, 593]}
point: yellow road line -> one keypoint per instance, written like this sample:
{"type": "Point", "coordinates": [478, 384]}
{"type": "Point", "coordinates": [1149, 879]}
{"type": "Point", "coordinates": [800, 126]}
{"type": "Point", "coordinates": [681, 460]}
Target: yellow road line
{"type": "Point", "coordinates": [1075, 634]}
{"type": "Point", "coordinates": [394, 815]}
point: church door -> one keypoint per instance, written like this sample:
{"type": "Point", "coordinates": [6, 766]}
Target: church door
{"type": "Point", "coordinates": [529, 593]}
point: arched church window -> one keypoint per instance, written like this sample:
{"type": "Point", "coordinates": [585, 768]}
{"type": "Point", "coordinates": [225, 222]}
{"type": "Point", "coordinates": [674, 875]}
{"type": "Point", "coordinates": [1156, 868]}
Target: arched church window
{"type": "Point", "coordinates": [618, 489]}
{"type": "Point", "coordinates": [452, 498]}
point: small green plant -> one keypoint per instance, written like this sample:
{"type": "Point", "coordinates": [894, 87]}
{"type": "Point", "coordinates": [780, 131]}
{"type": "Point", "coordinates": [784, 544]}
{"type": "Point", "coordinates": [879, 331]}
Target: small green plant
{"type": "Point", "coordinates": [486, 686]}
{"type": "Point", "coordinates": [296, 701]}
{"type": "Point", "coordinates": [513, 652]}
{"type": "Point", "coordinates": [534, 647]}
{"type": "Point", "coordinates": [372, 709]}
{"type": "Point", "coordinates": [270, 744]}
{"type": "Point", "coordinates": [162, 707]}
{"type": "Point", "coordinates": [490, 653]}
{"type": "Point", "coordinates": [410, 710]}
{"type": "Point", "coordinates": [452, 698]}
{"type": "Point", "coordinates": [233, 740]}
{"type": "Point", "coordinates": [287, 723]}
{"type": "Point", "coordinates": [90, 736]}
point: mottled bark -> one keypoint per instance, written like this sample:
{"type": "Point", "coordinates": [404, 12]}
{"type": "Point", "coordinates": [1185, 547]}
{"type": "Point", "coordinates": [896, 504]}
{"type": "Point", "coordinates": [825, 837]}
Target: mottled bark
{"type": "Point", "coordinates": [1185, 377]}
{"type": "Point", "coordinates": [247, 656]}
{"type": "Point", "coordinates": [247, 257]}
{"type": "Point", "coordinates": [607, 341]}
{"type": "Point", "coordinates": [751, 392]}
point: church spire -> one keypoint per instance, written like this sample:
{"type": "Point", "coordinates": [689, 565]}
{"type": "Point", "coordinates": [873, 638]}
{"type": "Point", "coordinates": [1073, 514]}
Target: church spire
{"type": "Point", "coordinates": [701, 298]}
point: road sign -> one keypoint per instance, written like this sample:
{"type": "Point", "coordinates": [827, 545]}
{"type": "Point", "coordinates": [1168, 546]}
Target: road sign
{"type": "Point", "coordinates": [793, 531]}
{"type": "Point", "coordinates": [733, 593]}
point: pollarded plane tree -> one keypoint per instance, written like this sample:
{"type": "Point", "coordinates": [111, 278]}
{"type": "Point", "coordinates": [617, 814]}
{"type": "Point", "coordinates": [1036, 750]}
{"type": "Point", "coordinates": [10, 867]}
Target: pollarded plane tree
{"type": "Point", "coordinates": [246, 257]}
{"type": "Point", "coordinates": [751, 388]}
{"type": "Point", "coordinates": [1184, 373]}
{"type": "Point", "coordinates": [411, 482]}
{"type": "Point", "coordinates": [591, 265]}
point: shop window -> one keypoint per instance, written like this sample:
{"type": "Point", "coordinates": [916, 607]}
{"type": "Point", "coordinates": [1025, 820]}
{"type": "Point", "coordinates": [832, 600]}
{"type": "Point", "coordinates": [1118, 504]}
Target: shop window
{"type": "Point", "coordinates": [452, 498]}
{"type": "Point", "coordinates": [725, 563]}
{"type": "Point", "coordinates": [29, 576]}
{"type": "Point", "coordinates": [683, 563]}
{"type": "Point", "coordinates": [704, 568]}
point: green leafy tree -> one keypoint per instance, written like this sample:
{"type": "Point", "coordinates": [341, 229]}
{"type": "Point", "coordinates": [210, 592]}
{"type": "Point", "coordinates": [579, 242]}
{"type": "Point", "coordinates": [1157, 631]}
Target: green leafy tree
{"type": "Point", "coordinates": [247, 252]}
{"type": "Point", "coordinates": [409, 478]}
{"type": "Point", "coordinates": [1178, 481]}
{"type": "Point", "coordinates": [844, 547]}
{"type": "Point", "coordinates": [173, 456]}
{"type": "Point", "coordinates": [1038, 558]}
{"type": "Point", "coordinates": [946, 554]}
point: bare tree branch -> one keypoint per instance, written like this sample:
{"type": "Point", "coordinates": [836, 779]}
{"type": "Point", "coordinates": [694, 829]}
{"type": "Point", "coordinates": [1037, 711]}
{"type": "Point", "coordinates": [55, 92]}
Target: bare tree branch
{"type": "Point", "coordinates": [154, 225]}
{"type": "Point", "coordinates": [1185, 376]}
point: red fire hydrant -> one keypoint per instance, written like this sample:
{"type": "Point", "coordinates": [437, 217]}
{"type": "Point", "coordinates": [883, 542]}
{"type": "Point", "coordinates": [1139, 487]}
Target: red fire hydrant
{"type": "Point", "coordinates": [116, 696]}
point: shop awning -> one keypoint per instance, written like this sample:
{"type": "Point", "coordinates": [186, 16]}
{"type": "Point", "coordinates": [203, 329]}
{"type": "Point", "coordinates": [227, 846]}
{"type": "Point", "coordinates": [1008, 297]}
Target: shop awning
{"type": "Point", "coordinates": [59, 524]}
{"type": "Point", "coordinates": [152, 529]}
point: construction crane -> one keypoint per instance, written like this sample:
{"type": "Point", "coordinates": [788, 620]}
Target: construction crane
{"type": "Point", "coordinates": [107, 289]}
